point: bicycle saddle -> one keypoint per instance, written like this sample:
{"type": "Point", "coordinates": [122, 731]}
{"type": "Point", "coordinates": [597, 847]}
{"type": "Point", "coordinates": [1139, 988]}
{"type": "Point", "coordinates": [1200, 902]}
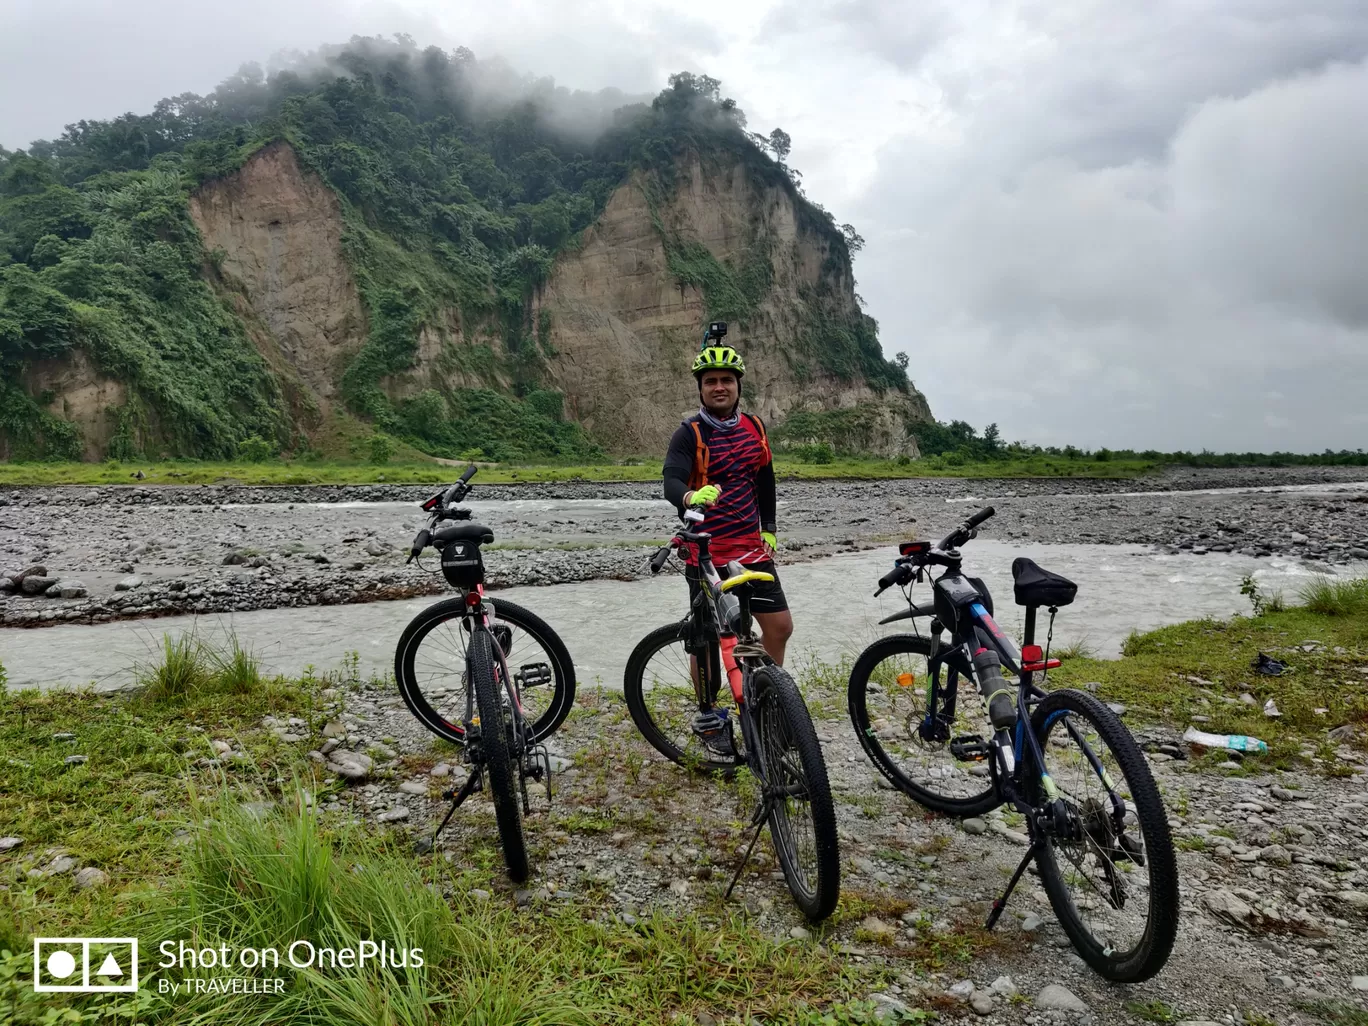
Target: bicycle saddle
{"type": "Point", "coordinates": [1035, 586]}
{"type": "Point", "coordinates": [469, 531]}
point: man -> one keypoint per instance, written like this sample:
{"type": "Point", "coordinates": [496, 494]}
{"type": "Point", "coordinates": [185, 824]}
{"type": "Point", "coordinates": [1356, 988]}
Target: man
{"type": "Point", "coordinates": [720, 458]}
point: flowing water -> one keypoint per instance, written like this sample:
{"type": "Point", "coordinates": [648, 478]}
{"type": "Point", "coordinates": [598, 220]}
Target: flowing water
{"type": "Point", "coordinates": [1121, 588]}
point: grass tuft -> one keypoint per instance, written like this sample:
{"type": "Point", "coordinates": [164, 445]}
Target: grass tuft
{"type": "Point", "coordinates": [1330, 597]}
{"type": "Point", "coordinates": [185, 670]}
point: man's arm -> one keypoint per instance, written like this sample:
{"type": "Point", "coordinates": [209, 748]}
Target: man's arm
{"type": "Point", "coordinates": [765, 497]}
{"type": "Point", "coordinates": [679, 465]}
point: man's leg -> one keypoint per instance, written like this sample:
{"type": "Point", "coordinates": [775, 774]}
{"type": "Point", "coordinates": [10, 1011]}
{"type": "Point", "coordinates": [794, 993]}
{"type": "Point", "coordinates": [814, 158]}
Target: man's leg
{"type": "Point", "coordinates": [775, 630]}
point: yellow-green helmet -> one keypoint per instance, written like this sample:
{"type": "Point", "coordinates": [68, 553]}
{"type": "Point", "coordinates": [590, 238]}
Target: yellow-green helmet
{"type": "Point", "coordinates": [718, 358]}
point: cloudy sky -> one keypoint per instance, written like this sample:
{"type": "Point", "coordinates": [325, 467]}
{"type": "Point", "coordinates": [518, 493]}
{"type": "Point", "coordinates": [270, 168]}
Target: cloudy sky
{"type": "Point", "coordinates": [1100, 223]}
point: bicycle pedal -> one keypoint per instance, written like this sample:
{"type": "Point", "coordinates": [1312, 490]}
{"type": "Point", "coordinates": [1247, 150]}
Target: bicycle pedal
{"type": "Point", "coordinates": [970, 748]}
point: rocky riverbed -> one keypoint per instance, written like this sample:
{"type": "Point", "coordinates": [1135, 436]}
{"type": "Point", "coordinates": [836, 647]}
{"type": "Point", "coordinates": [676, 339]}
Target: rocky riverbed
{"type": "Point", "coordinates": [93, 554]}
{"type": "Point", "coordinates": [1273, 868]}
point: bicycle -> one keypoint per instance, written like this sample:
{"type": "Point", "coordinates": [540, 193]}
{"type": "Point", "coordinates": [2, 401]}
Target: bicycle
{"type": "Point", "coordinates": [452, 665]}
{"type": "Point", "coordinates": [1111, 843]}
{"type": "Point", "coordinates": [778, 742]}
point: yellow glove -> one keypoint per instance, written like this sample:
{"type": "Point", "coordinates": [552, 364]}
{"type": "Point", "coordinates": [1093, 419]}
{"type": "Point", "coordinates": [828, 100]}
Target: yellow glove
{"type": "Point", "coordinates": [770, 540]}
{"type": "Point", "coordinates": [704, 496]}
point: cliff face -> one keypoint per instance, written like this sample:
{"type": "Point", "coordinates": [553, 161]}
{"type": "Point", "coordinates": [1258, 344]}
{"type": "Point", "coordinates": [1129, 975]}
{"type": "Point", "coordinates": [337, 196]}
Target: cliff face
{"type": "Point", "coordinates": [616, 328]}
{"type": "Point", "coordinates": [274, 236]}
{"type": "Point", "coordinates": [625, 331]}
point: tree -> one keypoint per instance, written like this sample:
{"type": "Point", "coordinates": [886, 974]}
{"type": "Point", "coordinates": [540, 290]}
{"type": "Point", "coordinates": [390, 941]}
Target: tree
{"type": "Point", "coordinates": [854, 240]}
{"type": "Point", "coordinates": [781, 144]}
{"type": "Point", "coordinates": [902, 360]}
{"type": "Point", "coordinates": [992, 438]}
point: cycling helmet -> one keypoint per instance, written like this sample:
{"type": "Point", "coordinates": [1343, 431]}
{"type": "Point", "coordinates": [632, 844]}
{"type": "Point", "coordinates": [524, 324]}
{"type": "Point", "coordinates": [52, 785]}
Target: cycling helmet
{"type": "Point", "coordinates": [719, 358]}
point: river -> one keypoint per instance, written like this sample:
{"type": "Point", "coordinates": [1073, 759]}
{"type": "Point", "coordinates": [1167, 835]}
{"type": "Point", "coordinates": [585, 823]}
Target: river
{"type": "Point", "coordinates": [1121, 588]}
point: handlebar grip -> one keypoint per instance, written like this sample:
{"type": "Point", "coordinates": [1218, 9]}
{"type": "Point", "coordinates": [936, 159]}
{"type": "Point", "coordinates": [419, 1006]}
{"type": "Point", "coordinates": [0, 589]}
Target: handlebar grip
{"type": "Point", "coordinates": [420, 542]}
{"type": "Point", "coordinates": [980, 516]}
{"type": "Point", "coordinates": [658, 560]}
{"type": "Point", "coordinates": [469, 473]}
{"type": "Point", "coordinates": [900, 574]}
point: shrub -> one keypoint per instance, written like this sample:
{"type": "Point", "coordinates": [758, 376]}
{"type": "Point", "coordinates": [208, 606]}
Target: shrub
{"type": "Point", "coordinates": [816, 452]}
{"type": "Point", "coordinates": [381, 449]}
{"type": "Point", "coordinates": [255, 449]}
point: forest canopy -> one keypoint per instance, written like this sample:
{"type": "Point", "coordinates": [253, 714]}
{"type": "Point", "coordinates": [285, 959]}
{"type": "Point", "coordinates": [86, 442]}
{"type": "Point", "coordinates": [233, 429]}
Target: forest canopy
{"type": "Point", "coordinates": [460, 181]}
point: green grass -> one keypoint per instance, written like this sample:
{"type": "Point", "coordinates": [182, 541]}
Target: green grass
{"type": "Point", "coordinates": [1201, 667]}
{"type": "Point", "coordinates": [1153, 1011]}
{"type": "Point", "coordinates": [412, 469]}
{"type": "Point", "coordinates": [188, 859]}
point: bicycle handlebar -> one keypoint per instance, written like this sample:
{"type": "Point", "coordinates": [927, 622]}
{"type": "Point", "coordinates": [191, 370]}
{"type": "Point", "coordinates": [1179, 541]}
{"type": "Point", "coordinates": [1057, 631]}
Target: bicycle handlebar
{"type": "Point", "coordinates": [437, 506]}
{"type": "Point", "coordinates": [902, 569]}
{"type": "Point", "coordinates": [965, 531]}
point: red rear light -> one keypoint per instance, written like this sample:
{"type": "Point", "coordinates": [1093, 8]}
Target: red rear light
{"type": "Point", "coordinates": [915, 548]}
{"type": "Point", "coordinates": [1033, 659]}
{"type": "Point", "coordinates": [431, 504]}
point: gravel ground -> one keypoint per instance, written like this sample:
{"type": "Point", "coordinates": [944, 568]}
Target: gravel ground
{"type": "Point", "coordinates": [1274, 870]}
{"type": "Point", "coordinates": [94, 554]}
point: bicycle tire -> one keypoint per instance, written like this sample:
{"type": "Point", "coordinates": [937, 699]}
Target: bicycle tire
{"type": "Point", "coordinates": [499, 766]}
{"type": "Point", "coordinates": [421, 705]}
{"type": "Point", "coordinates": [635, 692]}
{"type": "Point", "coordinates": [777, 699]}
{"type": "Point", "coordinates": [1151, 951]}
{"type": "Point", "coordinates": [857, 693]}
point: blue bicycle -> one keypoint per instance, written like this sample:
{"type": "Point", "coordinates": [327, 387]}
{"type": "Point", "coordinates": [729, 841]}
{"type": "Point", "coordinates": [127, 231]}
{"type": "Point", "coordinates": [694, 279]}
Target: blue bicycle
{"type": "Point", "coordinates": [1097, 827]}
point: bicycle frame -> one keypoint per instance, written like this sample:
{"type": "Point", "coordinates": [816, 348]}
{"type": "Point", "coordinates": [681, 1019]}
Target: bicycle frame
{"type": "Point", "coordinates": [1011, 763]}
{"type": "Point", "coordinates": [734, 656]}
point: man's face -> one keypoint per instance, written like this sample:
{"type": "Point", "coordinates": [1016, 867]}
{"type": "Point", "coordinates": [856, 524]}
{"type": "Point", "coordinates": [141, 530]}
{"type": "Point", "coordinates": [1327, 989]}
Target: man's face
{"type": "Point", "coordinates": [720, 390]}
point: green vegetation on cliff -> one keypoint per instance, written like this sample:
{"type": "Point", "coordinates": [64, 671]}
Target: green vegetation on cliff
{"type": "Point", "coordinates": [452, 201]}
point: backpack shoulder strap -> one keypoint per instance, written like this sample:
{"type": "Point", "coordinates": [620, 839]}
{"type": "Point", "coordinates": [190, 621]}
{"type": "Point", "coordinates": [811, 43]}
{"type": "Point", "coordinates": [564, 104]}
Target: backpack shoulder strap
{"type": "Point", "coordinates": [699, 477]}
{"type": "Point", "coordinates": [759, 426]}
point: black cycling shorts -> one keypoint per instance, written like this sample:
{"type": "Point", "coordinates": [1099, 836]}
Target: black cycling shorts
{"type": "Point", "coordinates": [766, 596]}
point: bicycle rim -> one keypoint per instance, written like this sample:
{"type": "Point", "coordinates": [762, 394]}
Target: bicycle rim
{"type": "Point", "coordinates": [802, 819]}
{"type": "Point", "coordinates": [888, 705]}
{"type": "Point", "coordinates": [661, 697]}
{"type": "Point", "coordinates": [1120, 914]}
{"type": "Point", "coordinates": [430, 667]}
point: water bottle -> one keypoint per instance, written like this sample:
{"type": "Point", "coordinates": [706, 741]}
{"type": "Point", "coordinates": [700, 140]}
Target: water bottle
{"type": "Point", "coordinates": [1233, 742]}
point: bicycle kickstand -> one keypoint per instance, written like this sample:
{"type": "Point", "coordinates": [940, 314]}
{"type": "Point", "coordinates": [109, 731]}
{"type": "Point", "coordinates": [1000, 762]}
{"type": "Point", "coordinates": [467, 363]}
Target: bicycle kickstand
{"type": "Point", "coordinates": [1001, 903]}
{"type": "Point", "coordinates": [474, 782]}
{"type": "Point", "coordinates": [757, 821]}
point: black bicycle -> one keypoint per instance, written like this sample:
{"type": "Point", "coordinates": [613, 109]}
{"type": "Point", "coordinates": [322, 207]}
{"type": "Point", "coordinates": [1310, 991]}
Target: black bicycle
{"type": "Point", "coordinates": [1097, 827]}
{"type": "Point", "coordinates": [488, 675]}
{"type": "Point", "coordinates": [677, 672]}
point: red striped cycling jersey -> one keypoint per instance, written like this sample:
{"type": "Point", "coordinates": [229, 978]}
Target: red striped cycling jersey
{"type": "Point", "coordinates": [737, 460]}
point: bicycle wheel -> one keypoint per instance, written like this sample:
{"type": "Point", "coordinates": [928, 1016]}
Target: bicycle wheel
{"type": "Point", "coordinates": [501, 762]}
{"type": "Point", "coordinates": [802, 820]}
{"type": "Point", "coordinates": [887, 696]}
{"type": "Point", "coordinates": [430, 667]}
{"type": "Point", "coordinates": [659, 689]}
{"type": "Point", "coordinates": [1114, 893]}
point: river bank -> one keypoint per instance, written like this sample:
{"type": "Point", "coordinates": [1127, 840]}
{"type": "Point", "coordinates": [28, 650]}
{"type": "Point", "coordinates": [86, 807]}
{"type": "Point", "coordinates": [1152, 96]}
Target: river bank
{"type": "Point", "coordinates": [115, 553]}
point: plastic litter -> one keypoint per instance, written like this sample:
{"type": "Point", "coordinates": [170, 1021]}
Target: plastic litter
{"type": "Point", "coordinates": [1233, 742]}
{"type": "Point", "coordinates": [1269, 666]}
{"type": "Point", "coordinates": [1271, 710]}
